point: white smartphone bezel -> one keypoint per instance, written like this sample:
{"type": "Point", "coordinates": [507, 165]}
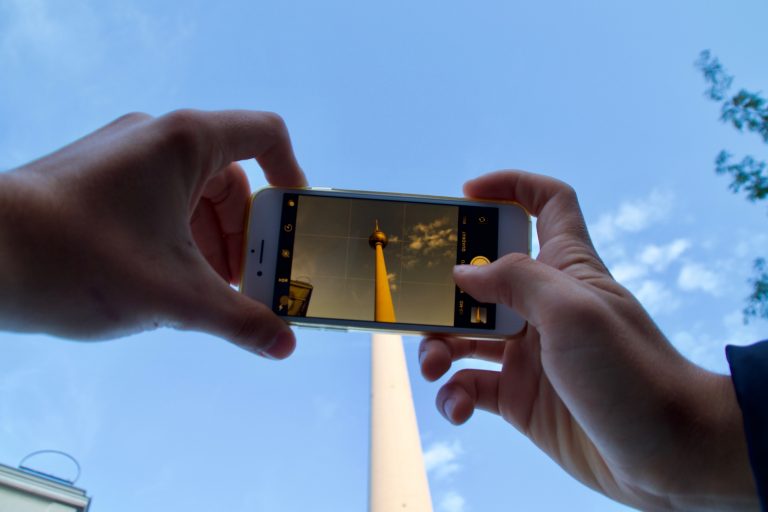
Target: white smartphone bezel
{"type": "Point", "coordinates": [261, 250]}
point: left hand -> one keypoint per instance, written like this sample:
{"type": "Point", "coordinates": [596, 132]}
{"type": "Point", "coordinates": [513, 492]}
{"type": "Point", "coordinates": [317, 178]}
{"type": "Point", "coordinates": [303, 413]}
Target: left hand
{"type": "Point", "coordinates": [139, 225]}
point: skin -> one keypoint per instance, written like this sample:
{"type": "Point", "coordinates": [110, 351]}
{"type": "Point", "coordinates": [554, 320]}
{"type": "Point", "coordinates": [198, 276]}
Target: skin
{"type": "Point", "coordinates": [591, 380]}
{"type": "Point", "coordinates": [140, 225]}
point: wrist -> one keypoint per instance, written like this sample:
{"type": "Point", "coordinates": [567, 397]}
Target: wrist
{"type": "Point", "coordinates": [719, 464]}
{"type": "Point", "coordinates": [17, 248]}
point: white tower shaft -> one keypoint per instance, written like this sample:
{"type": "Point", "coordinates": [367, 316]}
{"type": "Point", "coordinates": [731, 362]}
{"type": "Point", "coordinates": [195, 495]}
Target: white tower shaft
{"type": "Point", "coordinates": [398, 478]}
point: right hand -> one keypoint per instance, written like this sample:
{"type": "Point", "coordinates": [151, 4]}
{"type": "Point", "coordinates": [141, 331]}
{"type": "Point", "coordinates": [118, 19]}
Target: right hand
{"type": "Point", "coordinates": [591, 380]}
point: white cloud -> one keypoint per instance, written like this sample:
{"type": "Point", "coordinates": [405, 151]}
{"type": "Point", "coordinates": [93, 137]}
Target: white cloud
{"type": "Point", "coordinates": [741, 333]}
{"type": "Point", "coordinates": [701, 348]}
{"type": "Point", "coordinates": [656, 297]}
{"type": "Point", "coordinates": [633, 216]}
{"type": "Point", "coordinates": [58, 61]}
{"type": "Point", "coordinates": [652, 258]}
{"type": "Point", "coordinates": [57, 34]}
{"type": "Point", "coordinates": [392, 278]}
{"type": "Point", "coordinates": [451, 502]}
{"type": "Point", "coordinates": [433, 237]}
{"type": "Point", "coordinates": [694, 276]}
{"type": "Point", "coordinates": [626, 272]}
{"type": "Point", "coordinates": [28, 23]}
{"type": "Point", "coordinates": [603, 230]}
{"type": "Point", "coordinates": [638, 270]}
{"type": "Point", "coordinates": [706, 347]}
{"type": "Point", "coordinates": [660, 256]}
{"type": "Point", "coordinates": [441, 459]}
{"type": "Point", "coordinates": [77, 32]}
{"type": "Point", "coordinates": [430, 244]}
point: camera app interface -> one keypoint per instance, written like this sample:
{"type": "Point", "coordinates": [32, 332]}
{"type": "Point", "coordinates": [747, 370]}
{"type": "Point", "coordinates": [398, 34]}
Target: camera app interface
{"type": "Point", "coordinates": [382, 261]}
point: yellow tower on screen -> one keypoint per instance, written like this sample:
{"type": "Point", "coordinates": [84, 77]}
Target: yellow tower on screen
{"type": "Point", "coordinates": [384, 311]}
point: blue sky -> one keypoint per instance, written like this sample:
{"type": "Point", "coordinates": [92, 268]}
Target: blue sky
{"type": "Point", "coordinates": [398, 96]}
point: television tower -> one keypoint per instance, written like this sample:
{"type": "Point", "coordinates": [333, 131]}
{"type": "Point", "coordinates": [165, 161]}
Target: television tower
{"type": "Point", "coordinates": [398, 478]}
{"type": "Point", "coordinates": [384, 311]}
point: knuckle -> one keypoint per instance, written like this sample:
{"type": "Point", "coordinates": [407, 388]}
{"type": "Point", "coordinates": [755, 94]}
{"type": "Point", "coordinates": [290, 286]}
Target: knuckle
{"type": "Point", "coordinates": [275, 123]}
{"type": "Point", "coordinates": [183, 115]}
{"type": "Point", "coordinates": [558, 186]}
{"type": "Point", "coordinates": [569, 195]}
{"type": "Point", "coordinates": [133, 117]}
{"type": "Point", "coordinates": [183, 131]}
{"type": "Point", "coordinates": [567, 190]}
{"type": "Point", "coordinates": [183, 122]}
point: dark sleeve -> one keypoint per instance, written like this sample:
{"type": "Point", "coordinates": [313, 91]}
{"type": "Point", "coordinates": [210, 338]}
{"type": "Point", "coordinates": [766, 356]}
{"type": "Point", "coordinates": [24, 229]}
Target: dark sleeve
{"type": "Point", "coordinates": [749, 372]}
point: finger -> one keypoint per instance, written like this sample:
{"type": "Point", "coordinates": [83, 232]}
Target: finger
{"type": "Point", "coordinates": [466, 391]}
{"type": "Point", "coordinates": [437, 354]}
{"type": "Point", "coordinates": [521, 378]}
{"type": "Point", "coordinates": [229, 193]}
{"type": "Point", "coordinates": [552, 201]}
{"type": "Point", "coordinates": [230, 135]}
{"type": "Point", "coordinates": [208, 236]}
{"type": "Point", "coordinates": [434, 358]}
{"type": "Point", "coordinates": [214, 307]}
{"type": "Point", "coordinates": [533, 289]}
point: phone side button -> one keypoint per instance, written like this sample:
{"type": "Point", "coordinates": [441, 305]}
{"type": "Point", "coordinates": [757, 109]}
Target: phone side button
{"type": "Point", "coordinates": [335, 329]}
{"type": "Point", "coordinates": [307, 327]}
{"type": "Point", "coordinates": [320, 328]}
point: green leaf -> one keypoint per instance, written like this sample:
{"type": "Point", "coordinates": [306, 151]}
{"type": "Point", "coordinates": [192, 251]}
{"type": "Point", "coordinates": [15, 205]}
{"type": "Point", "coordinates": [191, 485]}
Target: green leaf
{"type": "Point", "coordinates": [757, 302]}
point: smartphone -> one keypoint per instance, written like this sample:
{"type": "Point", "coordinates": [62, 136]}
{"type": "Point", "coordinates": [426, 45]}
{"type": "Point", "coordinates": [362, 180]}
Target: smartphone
{"type": "Point", "coordinates": [339, 259]}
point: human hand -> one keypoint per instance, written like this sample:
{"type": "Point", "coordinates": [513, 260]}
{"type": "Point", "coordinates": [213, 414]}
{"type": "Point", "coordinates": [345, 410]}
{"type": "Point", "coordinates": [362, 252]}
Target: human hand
{"type": "Point", "coordinates": [139, 225]}
{"type": "Point", "coordinates": [591, 380]}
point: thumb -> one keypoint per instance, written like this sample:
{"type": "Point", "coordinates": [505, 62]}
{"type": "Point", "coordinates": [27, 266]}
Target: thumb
{"type": "Point", "coordinates": [227, 313]}
{"type": "Point", "coordinates": [529, 287]}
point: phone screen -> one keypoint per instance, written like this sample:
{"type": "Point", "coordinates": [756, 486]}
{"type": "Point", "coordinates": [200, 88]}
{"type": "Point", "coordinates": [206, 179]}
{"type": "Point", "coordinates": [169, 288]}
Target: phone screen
{"type": "Point", "coordinates": [382, 260]}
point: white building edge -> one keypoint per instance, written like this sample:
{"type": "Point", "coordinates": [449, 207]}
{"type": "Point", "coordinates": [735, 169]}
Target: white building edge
{"type": "Point", "coordinates": [24, 491]}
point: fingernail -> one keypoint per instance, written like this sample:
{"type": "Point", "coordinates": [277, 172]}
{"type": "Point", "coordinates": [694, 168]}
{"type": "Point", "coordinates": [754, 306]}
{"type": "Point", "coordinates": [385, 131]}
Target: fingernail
{"type": "Point", "coordinates": [464, 269]}
{"type": "Point", "coordinates": [448, 407]}
{"type": "Point", "coordinates": [281, 347]}
{"type": "Point", "coordinates": [422, 353]}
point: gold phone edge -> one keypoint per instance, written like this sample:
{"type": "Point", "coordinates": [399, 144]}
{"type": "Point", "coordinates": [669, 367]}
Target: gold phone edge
{"type": "Point", "coordinates": [331, 327]}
